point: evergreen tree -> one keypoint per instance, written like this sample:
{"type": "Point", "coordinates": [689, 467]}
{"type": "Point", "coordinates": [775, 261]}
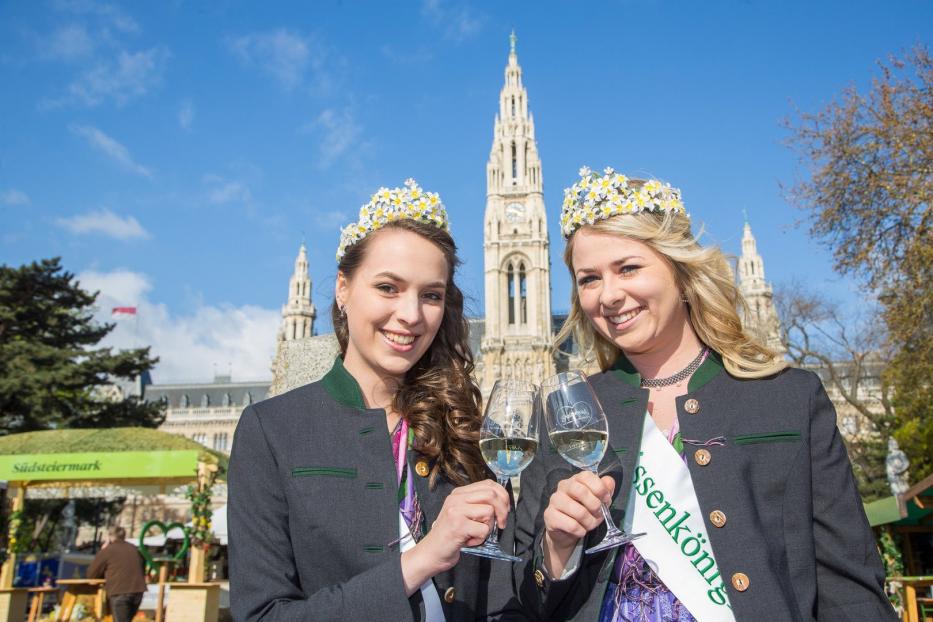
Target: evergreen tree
{"type": "Point", "coordinates": [52, 370]}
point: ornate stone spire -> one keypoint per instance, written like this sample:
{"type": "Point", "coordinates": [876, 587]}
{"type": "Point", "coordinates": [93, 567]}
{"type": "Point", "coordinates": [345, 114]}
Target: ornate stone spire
{"type": "Point", "coordinates": [298, 313]}
{"type": "Point", "coordinates": [514, 166]}
{"type": "Point", "coordinates": [517, 331]}
{"type": "Point", "coordinates": [760, 315]}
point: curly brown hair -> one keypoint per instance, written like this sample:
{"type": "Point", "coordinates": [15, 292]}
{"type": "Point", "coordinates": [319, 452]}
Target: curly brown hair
{"type": "Point", "coordinates": [438, 396]}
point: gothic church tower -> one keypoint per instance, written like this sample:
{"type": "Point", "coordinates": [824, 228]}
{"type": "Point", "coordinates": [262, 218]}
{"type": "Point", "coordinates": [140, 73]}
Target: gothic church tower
{"type": "Point", "coordinates": [760, 315]}
{"type": "Point", "coordinates": [298, 313]}
{"type": "Point", "coordinates": [517, 333]}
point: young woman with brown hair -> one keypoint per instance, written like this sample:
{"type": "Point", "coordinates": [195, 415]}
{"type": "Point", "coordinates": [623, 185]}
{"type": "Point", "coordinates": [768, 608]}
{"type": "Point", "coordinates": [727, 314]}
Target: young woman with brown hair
{"type": "Point", "coordinates": [351, 497]}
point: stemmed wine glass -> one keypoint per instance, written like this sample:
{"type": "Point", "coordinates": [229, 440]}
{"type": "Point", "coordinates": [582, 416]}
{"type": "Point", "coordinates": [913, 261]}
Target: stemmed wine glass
{"type": "Point", "coordinates": [508, 440]}
{"type": "Point", "coordinates": [577, 428]}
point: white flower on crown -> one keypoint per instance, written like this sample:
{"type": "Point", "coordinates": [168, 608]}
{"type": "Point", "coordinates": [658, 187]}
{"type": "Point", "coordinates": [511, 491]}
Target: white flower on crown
{"type": "Point", "coordinates": [597, 197]}
{"type": "Point", "coordinates": [391, 205]}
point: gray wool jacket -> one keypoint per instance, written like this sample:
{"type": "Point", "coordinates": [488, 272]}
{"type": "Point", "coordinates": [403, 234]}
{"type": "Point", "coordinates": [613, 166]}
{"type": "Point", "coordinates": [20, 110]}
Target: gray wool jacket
{"type": "Point", "coordinates": [792, 543]}
{"type": "Point", "coordinates": [314, 517]}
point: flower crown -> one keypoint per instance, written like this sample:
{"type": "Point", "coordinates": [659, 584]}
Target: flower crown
{"type": "Point", "coordinates": [390, 205]}
{"type": "Point", "coordinates": [597, 198]}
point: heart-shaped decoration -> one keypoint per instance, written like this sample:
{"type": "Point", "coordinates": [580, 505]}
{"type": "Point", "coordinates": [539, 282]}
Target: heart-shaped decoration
{"type": "Point", "coordinates": [144, 550]}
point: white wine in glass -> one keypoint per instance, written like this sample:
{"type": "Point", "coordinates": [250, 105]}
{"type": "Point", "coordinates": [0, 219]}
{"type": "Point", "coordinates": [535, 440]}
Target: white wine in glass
{"type": "Point", "coordinates": [579, 431]}
{"type": "Point", "coordinates": [508, 440]}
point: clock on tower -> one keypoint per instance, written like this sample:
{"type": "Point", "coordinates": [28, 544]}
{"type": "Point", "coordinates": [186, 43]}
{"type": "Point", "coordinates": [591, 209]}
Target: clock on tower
{"type": "Point", "coordinates": [515, 212]}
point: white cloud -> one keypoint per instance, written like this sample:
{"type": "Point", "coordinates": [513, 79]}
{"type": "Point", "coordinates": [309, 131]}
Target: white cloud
{"type": "Point", "coordinates": [188, 346]}
{"type": "Point", "coordinates": [128, 76]}
{"type": "Point", "coordinates": [186, 114]}
{"type": "Point", "coordinates": [459, 22]}
{"type": "Point", "coordinates": [14, 197]}
{"type": "Point", "coordinates": [105, 222]}
{"type": "Point", "coordinates": [110, 13]}
{"type": "Point", "coordinates": [68, 43]}
{"type": "Point", "coordinates": [111, 148]}
{"type": "Point", "coordinates": [338, 132]}
{"type": "Point", "coordinates": [222, 191]}
{"type": "Point", "coordinates": [288, 57]}
{"type": "Point", "coordinates": [419, 57]}
{"type": "Point", "coordinates": [332, 221]}
{"type": "Point", "coordinates": [123, 287]}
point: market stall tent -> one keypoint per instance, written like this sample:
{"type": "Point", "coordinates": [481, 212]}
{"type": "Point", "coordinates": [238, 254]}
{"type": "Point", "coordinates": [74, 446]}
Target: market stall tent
{"type": "Point", "coordinates": [909, 514]}
{"type": "Point", "coordinates": [125, 457]}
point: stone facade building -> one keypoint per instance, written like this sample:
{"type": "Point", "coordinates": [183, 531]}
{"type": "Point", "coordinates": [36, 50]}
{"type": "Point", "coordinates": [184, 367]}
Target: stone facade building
{"type": "Point", "coordinates": [206, 412]}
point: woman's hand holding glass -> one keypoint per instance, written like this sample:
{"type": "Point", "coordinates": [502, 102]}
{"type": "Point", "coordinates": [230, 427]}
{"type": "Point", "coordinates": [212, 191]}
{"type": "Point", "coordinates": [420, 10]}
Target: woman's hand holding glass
{"type": "Point", "coordinates": [578, 429]}
{"type": "Point", "coordinates": [467, 517]}
{"type": "Point", "coordinates": [508, 440]}
{"type": "Point", "coordinates": [573, 511]}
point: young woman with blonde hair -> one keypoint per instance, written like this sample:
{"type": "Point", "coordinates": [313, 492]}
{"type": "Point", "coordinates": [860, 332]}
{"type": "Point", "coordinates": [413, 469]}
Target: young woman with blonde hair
{"type": "Point", "coordinates": [729, 462]}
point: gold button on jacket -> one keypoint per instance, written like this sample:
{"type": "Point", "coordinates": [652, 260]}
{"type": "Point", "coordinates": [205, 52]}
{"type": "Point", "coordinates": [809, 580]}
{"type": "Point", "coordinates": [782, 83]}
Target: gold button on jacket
{"type": "Point", "coordinates": [740, 581]}
{"type": "Point", "coordinates": [717, 518]}
{"type": "Point", "coordinates": [702, 457]}
{"type": "Point", "coordinates": [421, 468]}
{"type": "Point", "coordinates": [692, 406]}
{"type": "Point", "coordinates": [539, 578]}
{"type": "Point", "coordinates": [451, 594]}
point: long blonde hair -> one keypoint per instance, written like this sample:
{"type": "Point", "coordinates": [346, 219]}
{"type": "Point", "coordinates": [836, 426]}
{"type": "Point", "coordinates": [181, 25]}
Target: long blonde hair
{"type": "Point", "coordinates": [704, 278]}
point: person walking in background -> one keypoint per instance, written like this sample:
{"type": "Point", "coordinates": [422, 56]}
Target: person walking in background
{"type": "Point", "coordinates": [121, 565]}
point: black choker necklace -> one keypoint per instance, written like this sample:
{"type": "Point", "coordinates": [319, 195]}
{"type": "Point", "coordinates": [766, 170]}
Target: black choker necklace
{"type": "Point", "coordinates": [686, 372]}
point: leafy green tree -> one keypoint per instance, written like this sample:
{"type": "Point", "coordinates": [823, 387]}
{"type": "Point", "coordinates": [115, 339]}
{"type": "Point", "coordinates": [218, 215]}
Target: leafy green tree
{"type": "Point", "coordinates": [52, 369]}
{"type": "Point", "coordinates": [868, 198]}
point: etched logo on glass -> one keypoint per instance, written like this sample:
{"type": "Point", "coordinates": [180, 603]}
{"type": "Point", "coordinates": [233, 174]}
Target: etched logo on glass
{"type": "Point", "coordinates": [577, 416]}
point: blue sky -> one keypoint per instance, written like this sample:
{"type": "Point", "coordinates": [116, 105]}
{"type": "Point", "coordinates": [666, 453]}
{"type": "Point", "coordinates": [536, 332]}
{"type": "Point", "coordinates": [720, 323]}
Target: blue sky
{"type": "Point", "coordinates": [175, 154]}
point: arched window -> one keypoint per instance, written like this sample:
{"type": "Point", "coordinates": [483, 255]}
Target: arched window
{"type": "Point", "coordinates": [514, 165]}
{"type": "Point", "coordinates": [205, 401]}
{"type": "Point", "coordinates": [184, 402]}
{"type": "Point", "coordinates": [522, 294]}
{"type": "Point", "coordinates": [511, 285]}
{"type": "Point", "coordinates": [513, 105]}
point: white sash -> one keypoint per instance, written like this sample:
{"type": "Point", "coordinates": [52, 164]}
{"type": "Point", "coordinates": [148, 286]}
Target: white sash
{"type": "Point", "coordinates": [433, 610]}
{"type": "Point", "coordinates": [663, 504]}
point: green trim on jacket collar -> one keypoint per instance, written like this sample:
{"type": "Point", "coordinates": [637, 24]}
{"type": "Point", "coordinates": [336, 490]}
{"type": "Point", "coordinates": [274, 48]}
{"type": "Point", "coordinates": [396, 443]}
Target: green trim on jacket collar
{"type": "Point", "coordinates": [343, 387]}
{"type": "Point", "coordinates": [626, 372]}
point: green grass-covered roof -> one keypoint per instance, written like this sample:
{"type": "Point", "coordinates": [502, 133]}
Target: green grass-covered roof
{"type": "Point", "coordinates": [104, 440]}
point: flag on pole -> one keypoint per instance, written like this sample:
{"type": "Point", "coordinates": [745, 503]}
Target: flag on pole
{"type": "Point", "coordinates": [119, 312]}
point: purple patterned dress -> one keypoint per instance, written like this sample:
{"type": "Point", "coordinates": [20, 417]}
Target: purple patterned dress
{"type": "Point", "coordinates": [635, 593]}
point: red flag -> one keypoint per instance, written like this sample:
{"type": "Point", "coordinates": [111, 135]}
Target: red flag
{"type": "Point", "coordinates": [121, 311]}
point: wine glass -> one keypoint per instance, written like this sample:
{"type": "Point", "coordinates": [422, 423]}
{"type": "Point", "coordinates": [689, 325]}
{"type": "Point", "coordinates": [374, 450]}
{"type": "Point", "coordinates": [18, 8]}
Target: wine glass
{"type": "Point", "coordinates": [578, 430]}
{"type": "Point", "coordinates": [508, 440]}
